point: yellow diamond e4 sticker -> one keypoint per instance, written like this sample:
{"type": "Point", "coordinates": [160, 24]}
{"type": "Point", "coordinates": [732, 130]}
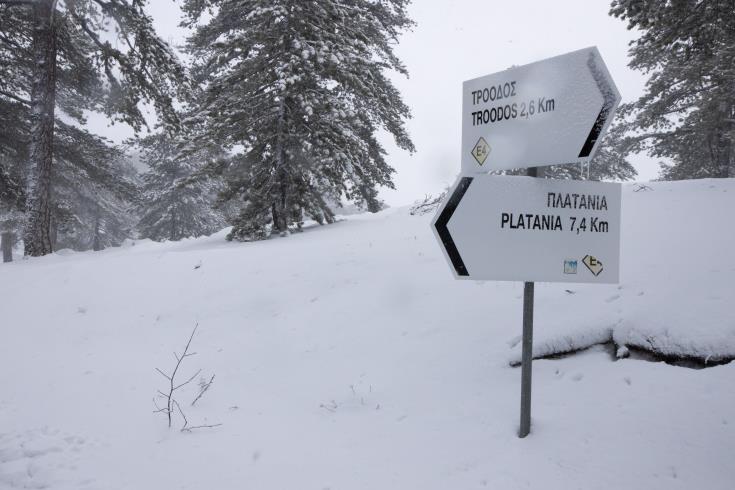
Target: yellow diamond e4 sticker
{"type": "Point", "coordinates": [481, 151]}
{"type": "Point", "coordinates": [594, 265]}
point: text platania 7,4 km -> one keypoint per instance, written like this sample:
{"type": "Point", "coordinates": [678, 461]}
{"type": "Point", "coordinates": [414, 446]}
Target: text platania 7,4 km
{"type": "Point", "coordinates": [525, 229]}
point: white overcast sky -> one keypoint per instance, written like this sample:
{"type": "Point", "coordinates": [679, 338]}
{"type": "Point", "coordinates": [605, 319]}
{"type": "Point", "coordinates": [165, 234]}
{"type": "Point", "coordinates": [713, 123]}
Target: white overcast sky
{"type": "Point", "coordinates": [456, 40]}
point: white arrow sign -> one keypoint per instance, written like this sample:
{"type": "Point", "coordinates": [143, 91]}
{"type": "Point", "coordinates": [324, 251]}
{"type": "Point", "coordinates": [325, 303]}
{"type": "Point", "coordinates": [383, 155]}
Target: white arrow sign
{"type": "Point", "coordinates": [550, 112]}
{"type": "Point", "coordinates": [526, 229]}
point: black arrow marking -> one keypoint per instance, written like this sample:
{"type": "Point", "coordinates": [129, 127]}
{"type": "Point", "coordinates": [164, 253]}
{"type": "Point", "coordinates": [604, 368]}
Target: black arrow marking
{"type": "Point", "coordinates": [608, 96]}
{"type": "Point", "coordinates": [443, 221]}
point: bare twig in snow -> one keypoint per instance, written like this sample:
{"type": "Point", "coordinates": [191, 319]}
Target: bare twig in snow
{"type": "Point", "coordinates": [168, 410]}
{"type": "Point", "coordinates": [173, 385]}
{"type": "Point", "coordinates": [186, 427]}
{"type": "Point", "coordinates": [203, 387]}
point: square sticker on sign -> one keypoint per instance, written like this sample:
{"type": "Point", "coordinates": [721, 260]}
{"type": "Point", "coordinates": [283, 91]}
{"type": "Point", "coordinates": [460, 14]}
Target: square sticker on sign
{"type": "Point", "coordinates": [481, 151]}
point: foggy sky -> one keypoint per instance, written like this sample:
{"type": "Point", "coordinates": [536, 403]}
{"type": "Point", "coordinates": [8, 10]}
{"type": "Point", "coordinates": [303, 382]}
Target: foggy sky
{"type": "Point", "coordinates": [458, 40]}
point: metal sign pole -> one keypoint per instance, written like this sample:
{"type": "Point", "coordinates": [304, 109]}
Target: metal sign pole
{"type": "Point", "coordinates": [527, 346]}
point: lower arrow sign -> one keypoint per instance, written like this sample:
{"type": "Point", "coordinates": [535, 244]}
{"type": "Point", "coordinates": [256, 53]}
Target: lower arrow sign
{"type": "Point", "coordinates": [504, 228]}
{"type": "Point", "coordinates": [443, 221]}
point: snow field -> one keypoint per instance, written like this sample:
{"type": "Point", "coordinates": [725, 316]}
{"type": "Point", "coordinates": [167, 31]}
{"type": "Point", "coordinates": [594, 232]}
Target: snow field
{"type": "Point", "coordinates": [346, 357]}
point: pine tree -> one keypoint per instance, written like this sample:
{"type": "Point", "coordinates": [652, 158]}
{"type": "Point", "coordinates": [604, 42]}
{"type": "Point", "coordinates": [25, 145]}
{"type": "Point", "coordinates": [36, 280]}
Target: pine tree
{"type": "Point", "coordinates": [71, 65]}
{"type": "Point", "coordinates": [14, 125]}
{"type": "Point", "coordinates": [687, 113]}
{"type": "Point", "coordinates": [301, 86]}
{"type": "Point", "coordinates": [12, 189]}
{"type": "Point", "coordinates": [12, 201]}
{"type": "Point", "coordinates": [94, 192]}
{"type": "Point", "coordinates": [610, 162]}
{"type": "Point", "coordinates": [93, 186]}
{"type": "Point", "coordinates": [178, 199]}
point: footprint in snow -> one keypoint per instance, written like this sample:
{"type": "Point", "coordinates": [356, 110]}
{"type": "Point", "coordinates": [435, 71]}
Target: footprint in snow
{"type": "Point", "coordinates": [515, 341]}
{"type": "Point", "coordinates": [612, 298]}
{"type": "Point", "coordinates": [41, 458]}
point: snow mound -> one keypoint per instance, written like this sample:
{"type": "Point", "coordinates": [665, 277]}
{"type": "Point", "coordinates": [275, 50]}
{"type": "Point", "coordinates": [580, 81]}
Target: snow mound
{"type": "Point", "coordinates": [570, 341]}
{"type": "Point", "coordinates": [676, 281]}
{"type": "Point", "coordinates": [705, 345]}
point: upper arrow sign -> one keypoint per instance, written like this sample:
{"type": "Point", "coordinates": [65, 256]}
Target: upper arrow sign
{"type": "Point", "coordinates": [550, 112]}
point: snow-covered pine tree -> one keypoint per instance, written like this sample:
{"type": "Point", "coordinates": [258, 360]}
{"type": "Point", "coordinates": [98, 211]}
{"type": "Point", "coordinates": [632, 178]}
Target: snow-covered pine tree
{"type": "Point", "coordinates": [94, 192]}
{"type": "Point", "coordinates": [178, 199]}
{"type": "Point", "coordinates": [92, 183]}
{"type": "Point", "coordinates": [14, 126]}
{"type": "Point", "coordinates": [610, 162]}
{"type": "Point", "coordinates": [12, 202]}
{"type": "Point", "coordinates": [687, 113]}
{"type": "Point", "coordinates": [301, 86]}
{"type": "Point", "coordinates": [12, 191]}
{"type": "Point", "coordinates": [67, 45]}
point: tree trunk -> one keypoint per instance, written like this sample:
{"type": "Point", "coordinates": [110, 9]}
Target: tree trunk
{"type": "Point", "coordinates": [283, 205]}
{"type": "Point", "coordinates": [97, 242]}
{"type": "Point", "coordinates": [371, 198]}
{"type": "Point", "coordinates": [43, 97]}
{"type": "Point", "coordinates": [172, 232]}
{"type": "Point", "coordinates": [274, 215]}
{"type": "Point", "coordinates": [724, 161]}
{"type": "Point", "coordinates": [282, 202]}
{"type": "Point", "coordinates": [327, 214]}
{"type": "Point", "coordinates": [728, 139]}
{"type": "Point", "coordinates": [6, 243]}
{"type": "Point", "coordinates": [299, 218]}
{"type": "Point", "coordinates": [54, 231]}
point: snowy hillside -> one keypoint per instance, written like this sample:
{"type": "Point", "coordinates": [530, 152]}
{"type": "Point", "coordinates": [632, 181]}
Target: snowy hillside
{"type": "Point", "coordinates": [346, 357]}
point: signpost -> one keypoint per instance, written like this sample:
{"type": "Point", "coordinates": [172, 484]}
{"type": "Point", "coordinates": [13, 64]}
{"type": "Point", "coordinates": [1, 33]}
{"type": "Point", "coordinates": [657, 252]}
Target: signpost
{"type": "Point", "coordinates": [492, 227]}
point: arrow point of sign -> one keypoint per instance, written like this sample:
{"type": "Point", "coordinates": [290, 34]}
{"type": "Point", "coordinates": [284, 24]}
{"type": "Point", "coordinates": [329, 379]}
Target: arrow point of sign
{"type": "Point", "coordinates": [610, 99]}
{"type": "Point", "coordinates": [442, 223]}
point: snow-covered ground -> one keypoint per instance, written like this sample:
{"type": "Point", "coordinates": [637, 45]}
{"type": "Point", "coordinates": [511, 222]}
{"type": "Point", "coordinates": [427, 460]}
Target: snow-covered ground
{"type": "Point", "coordinates": [346, 357]}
